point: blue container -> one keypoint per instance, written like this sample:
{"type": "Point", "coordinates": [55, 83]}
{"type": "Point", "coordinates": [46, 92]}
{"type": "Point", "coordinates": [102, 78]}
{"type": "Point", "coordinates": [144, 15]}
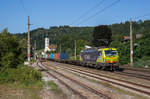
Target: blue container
{"type": "Point", "coordinates": [61, 56]}
{"type": "Point", "coordinates": [51, 56]}
{"type": "Point", "coordinates": [66, 56]}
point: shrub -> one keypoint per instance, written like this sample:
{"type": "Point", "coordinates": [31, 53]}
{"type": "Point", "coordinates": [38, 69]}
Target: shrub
{"type": "Point", "coordinates": [144, 61]}
{"type": "Point", "coordinates": [22, 74]}
{"type": "Point", "coordinates": [11, 50]}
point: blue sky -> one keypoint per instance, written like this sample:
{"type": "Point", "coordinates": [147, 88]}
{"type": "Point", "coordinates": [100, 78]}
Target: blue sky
{"type": "Point", "coordinates": [46, 13]}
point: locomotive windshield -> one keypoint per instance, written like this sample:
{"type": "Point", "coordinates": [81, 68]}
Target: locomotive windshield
{"type": "Point", "coordinates": [110, 53]}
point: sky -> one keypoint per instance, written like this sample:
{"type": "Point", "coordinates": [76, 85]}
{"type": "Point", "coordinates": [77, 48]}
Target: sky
{"type": "Point", "coordinates": [47, 13]}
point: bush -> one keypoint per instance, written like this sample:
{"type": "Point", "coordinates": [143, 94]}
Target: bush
{"type": "Point", "coordinates": [22, 74]}
{"type": "Point", "coordinates": [144, 61]}
{"type": "Point", "coordinates": [11, 50]}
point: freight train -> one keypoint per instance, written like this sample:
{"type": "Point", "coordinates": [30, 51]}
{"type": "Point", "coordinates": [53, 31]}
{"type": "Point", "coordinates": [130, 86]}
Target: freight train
{"type": "Point", "coordinates": [99, 58]}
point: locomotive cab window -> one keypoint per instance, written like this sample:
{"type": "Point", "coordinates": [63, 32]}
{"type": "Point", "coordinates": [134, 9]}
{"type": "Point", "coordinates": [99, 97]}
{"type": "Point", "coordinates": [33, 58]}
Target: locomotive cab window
{"type": "Point", "coordinates": [110, 53]}
{"type": "Point", "coordinates": [114, 53]}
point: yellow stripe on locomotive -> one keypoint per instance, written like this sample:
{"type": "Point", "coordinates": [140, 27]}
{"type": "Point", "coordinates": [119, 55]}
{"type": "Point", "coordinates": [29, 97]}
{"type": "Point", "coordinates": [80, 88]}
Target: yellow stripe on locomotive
{"type": "Point", "coordinates": [107, 55]}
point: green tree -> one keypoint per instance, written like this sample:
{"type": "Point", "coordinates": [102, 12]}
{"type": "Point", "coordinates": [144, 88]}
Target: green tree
{"type": "Point", "coordinates": [81, 45]}
{"type": "Point", "coordinates": [10, 50]}
{"type": "Point", "coordinates": [67, 44]}
{"type": "Point", "coordinates": [116, 40]}
{"type": "Point", "coordinates": [124, 53]}
{"type": "Point", "coordinates": [101, 36]}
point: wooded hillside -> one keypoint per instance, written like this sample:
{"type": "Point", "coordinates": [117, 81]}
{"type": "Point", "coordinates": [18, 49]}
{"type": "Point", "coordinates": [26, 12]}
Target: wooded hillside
{"type": "Point", "coordinates": [55, 33]}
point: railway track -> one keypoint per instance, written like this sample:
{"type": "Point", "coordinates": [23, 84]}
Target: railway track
{"type": "Point", "coordinates": [123, 83]}
{"type": "Point", "coordinates": [136, 75]}
{"type": "Point", "coordinates": [145, 75]}
{"type": "Point", "coordinates": [142, 72]}
{"type": "Point", "coordinates": [136, 69]}
{"type": "Point", "coordinates": [97, 92]}
{"type": "Point", "coordinates": [62, 82]}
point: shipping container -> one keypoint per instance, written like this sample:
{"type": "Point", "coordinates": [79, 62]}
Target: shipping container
{"type": "Point", "coordinates": [51, 56]}
{"type": "Point", "coordinates": [57, 56]}
{"type": "Point", "coordinates": [48, 56]}
{"type": "Point", "coordinates": [64, 56]}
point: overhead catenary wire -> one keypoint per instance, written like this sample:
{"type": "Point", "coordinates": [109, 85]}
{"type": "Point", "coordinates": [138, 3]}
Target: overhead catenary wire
{"type": "Point", "coordinates": [24, 9]}
{"type": "Point", "coordinates": [147, 14]}
{"type": "Point", "coordinates": [100, 11]}
{"type": "Point", "coordinates": [26, 14]}
{"type": "Point", "coordinates": [88, 11]}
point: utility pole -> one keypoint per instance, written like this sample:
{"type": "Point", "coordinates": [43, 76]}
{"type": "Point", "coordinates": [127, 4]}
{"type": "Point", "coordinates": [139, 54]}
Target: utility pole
{"type": "Point", "coordinates": [131, 44]}
{"type": "Point", "coordinates": [29, 55]}
{"type": "Point", "coordinates": [75, 51]}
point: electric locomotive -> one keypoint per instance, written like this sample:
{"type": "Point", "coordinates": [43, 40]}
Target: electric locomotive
{"type": "Point", "coordinates": [101, 58]}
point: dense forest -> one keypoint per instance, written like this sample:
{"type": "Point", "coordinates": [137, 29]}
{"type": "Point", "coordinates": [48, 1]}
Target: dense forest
{"type": "Point", "coordinates": [66, 35]}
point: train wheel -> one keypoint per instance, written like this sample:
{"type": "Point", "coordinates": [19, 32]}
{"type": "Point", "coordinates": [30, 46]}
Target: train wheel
{"type": "Point", "coordinates": [117, 67]}
{"type": "Point", "coordinates": [96, 67]}
{"type": "Point", "coordinates": [112, 68]}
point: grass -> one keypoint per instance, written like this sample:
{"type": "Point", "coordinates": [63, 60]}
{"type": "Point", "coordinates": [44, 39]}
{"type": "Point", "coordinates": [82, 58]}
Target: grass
{"type": "Point", "coordinates": [32, 61]}
{"type": "Point", "coordinates": [22, 82]}
{"type": "Point", "coordinates": [19, 91]}
{"type": "Point", "coordinates": [53, 86]}
{"type": "Point", "coordinates": [21, 75]}
{"type": "Point", "coordinates": [143, 62]}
